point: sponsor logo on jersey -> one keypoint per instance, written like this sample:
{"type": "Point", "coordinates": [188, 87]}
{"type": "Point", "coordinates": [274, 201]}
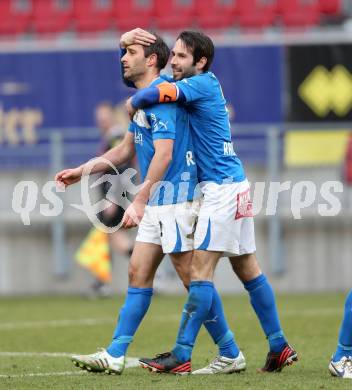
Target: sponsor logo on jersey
{"type": "Point", "coordinates": [244, 205]}
{"type": "Point", "coordinates": [158, 125]}
{"type": "Point", "coordinates": [138, 138]}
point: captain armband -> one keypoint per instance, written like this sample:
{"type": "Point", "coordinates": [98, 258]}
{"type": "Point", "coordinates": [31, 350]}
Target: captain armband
{"type": "Point", "coordinates": [168, 92]}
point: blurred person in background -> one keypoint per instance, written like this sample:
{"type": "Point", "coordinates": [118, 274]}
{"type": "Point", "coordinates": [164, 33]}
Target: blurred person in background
{"type": "Point", "coordinates": [113, 124]}
{"type": "Point", "coordinates": [341, 361]}
{"type": "Point", "coordinates": [346, 174]}
{"type": "Point", "coordinates": [347, 167]}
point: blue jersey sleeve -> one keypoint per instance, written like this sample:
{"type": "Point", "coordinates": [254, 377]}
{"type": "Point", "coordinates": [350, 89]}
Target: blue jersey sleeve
{"type": "Point", "coordinates": [145, 97]}
{"type": "Point", "coordinates": [195, 87]}
{"type": "Point", "coordinates": [126, 82]}
{"type": "Point", "coordinates": [162, 93]}
{"type": "Point", "coordinates": [163, 121]}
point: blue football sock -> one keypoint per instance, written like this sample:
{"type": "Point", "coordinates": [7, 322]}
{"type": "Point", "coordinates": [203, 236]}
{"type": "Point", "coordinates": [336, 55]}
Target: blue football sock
{"type": "Point", "coordinates": [131, 315]}
{"type": "Point", "coordinates": [227, 346]}
{"type": "Point", "coordinates": [194, 313]}
{"type": "Point", "coordinates": [218, 328]}
{"type": "Point", "coordinates": [344, 347]}
{"type": "Point", "coordinates": [263, 302]}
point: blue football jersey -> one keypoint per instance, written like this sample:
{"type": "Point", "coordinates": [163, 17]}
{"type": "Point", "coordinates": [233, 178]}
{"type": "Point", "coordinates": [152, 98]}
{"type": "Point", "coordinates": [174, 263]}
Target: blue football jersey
{"type": "Point", "coordinates": [211, 129]}
{"type": "Point", "coordinates": [166, 121]}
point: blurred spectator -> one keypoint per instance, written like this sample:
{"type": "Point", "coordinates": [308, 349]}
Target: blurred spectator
{"type": "Point", "coordinates": [348, 162]}
{"type": "Point", "coordinates": [347, 7]}
{"type": "Point", "coordinates": [112, 124]}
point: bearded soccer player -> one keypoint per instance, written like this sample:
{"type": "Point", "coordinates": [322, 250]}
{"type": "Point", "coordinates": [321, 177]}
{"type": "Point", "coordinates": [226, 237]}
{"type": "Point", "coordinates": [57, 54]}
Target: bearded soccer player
{"type": "Point", "coordinates": [167, 215]}
{"type": "Point", "coordinates": [225, 223]}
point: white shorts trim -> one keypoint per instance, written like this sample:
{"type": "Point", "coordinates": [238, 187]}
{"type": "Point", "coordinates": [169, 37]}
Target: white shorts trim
{"type": "Point", "coordinates": [170, 226]}
{"type": "Point", "coordinates": [225, 221]}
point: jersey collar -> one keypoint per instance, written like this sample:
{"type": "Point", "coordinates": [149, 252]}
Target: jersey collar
{"type": "Point", "coordinates": [156, 81]}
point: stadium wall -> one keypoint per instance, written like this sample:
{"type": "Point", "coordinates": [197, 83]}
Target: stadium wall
{"type": "Point", "coordinates": [314, 249]}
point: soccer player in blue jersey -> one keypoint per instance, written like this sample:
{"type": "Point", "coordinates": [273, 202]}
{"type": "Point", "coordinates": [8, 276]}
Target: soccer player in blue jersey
{"type": "Point", "coordinates": [341, 362]}
{"type": "Point", "coordinates": [225, 223]}
{"type": "Point", "coordinates": [167, 213]}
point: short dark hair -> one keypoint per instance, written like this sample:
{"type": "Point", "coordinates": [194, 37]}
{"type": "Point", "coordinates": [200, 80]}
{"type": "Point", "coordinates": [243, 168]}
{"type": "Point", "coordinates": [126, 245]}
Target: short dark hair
{"type": "Point", "coordinates": [160, 48]}
{"type": "Point", "coordinates": [200, 45]}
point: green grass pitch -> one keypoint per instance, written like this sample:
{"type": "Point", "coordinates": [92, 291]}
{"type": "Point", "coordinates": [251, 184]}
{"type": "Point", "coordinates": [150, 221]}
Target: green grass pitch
{"type": "Point", "coordinates": [72, 324]}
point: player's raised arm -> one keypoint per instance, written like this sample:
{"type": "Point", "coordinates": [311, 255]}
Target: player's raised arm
{"type": "Point", "coordinates": [116, 156]}
{"type": "Point", "coordinates": [165, 92]}
{"type": "Point", "coordinates": [187, 90]}
{"type": "Point", "coordinates": [137, 36]}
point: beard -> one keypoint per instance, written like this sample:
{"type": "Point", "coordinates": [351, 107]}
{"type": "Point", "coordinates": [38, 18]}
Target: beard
{"type": "Point", "coordinates": [132, 74]}
{"type": "Point", "coordinates": [179, 74]}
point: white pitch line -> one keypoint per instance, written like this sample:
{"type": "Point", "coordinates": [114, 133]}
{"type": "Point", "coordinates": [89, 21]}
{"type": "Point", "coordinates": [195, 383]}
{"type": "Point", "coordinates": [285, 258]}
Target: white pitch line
{"type": "Point", "coordinates": [41, 374]}
{"type": "Point", "coordinates": [55, 323]}
{"type": "Point", "coordinates": [130, 362]}
{"type": "Point", "coordinates": [35, 354]}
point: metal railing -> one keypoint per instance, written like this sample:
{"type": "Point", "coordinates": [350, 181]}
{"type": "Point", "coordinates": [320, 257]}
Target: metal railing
{"type": "Point", "coordinates": [263, 140]}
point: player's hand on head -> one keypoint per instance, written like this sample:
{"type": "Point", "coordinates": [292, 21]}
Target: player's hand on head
{"type": "Point", "coordinates": [137, 36]}
{"type": "Point", "coordinates": [68, 176]}
{"type": "Point", "coordinates": [133, 215]}
{"type": "Point", "coordinates": [129, 108]}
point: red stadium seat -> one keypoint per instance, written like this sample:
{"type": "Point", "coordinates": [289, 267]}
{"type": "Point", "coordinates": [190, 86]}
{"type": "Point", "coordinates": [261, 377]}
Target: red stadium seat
{"type": "Point", "coordinates": [174, 14]}
{"type": "Point", "coordinates": [129, 14]}
{"type": "Point", "coordinates": [257, 13]}
{"type": "Point", "coordinates": [215, 13]}
{"type": "Point", "coordinates": [93, 15]}
{"type": "Point", "coordinates": [15, 16]}
{"type": "Point", "coordinates": [330, 7]}
{"type": "Point", "coordinates": [52, 16]}
{"type": "Point", "coordinates": [347, 168]}
{"type": "Point", "coordinates": [299, 12]}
